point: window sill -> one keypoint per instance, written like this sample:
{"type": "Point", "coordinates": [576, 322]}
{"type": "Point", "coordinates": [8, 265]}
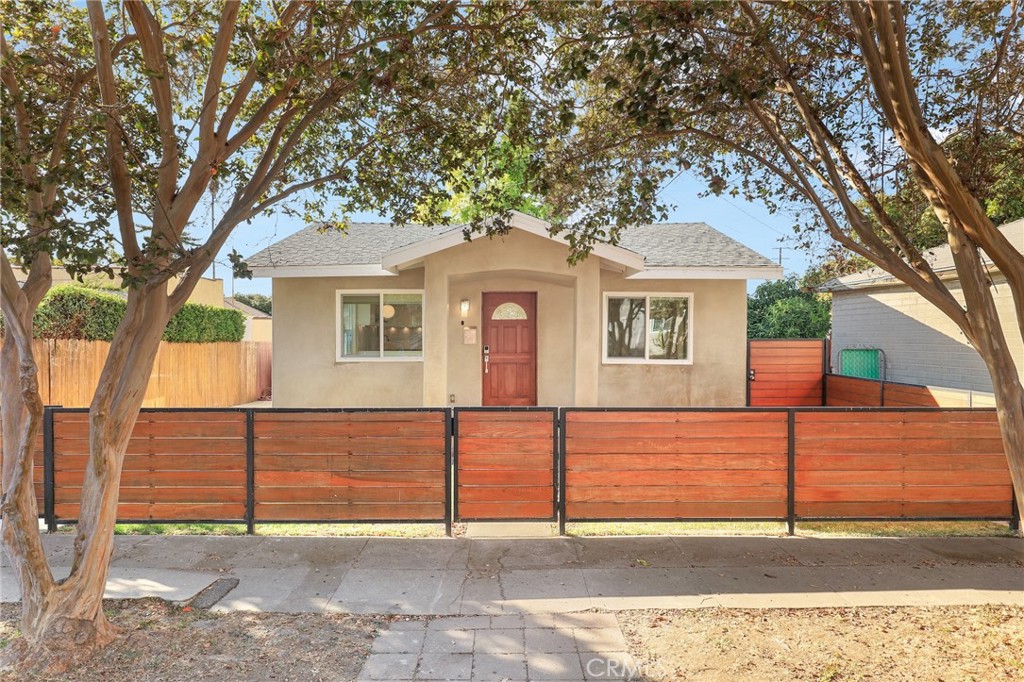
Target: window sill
{"type": "Point", "coordinates": [644, 361]}
{"type": "Point", "coordinates": [348, 360]}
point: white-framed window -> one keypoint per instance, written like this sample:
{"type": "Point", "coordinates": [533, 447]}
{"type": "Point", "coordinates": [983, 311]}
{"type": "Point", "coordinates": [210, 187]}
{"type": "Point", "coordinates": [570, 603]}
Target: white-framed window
{"type": "Point", "coordinates": [655, 328]}
{"type": "Point", "coordinates": [379, 325]}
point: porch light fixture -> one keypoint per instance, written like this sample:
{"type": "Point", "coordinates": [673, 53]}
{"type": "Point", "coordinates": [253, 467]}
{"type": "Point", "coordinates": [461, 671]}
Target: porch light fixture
{"type": "Point", "coordinates": [464, 307]}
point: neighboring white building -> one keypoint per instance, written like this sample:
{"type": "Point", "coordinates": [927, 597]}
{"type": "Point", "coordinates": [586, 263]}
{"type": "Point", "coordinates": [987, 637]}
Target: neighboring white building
{"type": "Point", "coordinates": [871, 309]}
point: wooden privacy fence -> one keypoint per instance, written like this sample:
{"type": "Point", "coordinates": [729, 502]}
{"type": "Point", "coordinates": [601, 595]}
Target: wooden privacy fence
{"type": "Point", "coordinates": [900, 464]}
{"type": "Point", "coordinates": [573, 464]}
{"type": "Point", "coordinates": [659, 465]}
{"type": "Point", "coordinates": [184, 374]}
{"type": "Point", "coordinates": [843, 391]}
{"type": "Point", "coordinates": [370, 466]}
{"type": "Point", "coordinates": [254, 466]}
{"type": "Point", "coordinates": [786, 372]}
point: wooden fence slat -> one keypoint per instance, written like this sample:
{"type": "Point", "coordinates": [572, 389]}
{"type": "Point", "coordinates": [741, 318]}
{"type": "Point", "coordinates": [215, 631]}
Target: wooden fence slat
{"type": "Point", "coordinates": [904, 510]}
{"type": "Point", "coordinates": [346, 462]}
{"type": "Point", "coordinates": [684, 462]}
{"type": "Point", "coordinates": [677, 477]}
{"type": "Point", "coordinates": [331, 494]}
{"type": "Point", "coordinates": [338, 417]}
{"type": "Point", "coordinates": [326, 511]}
{"type": "Point", "coordinates": [642, 446]}
{"type": "Point", "coordinates": [675, 510]}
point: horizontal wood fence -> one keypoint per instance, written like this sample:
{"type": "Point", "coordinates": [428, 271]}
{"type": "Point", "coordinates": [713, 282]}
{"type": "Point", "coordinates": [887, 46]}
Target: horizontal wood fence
{"type": "Point", "coordinates": [187, 465]}
{"type": "Point", "coordinates": [251, 466]}
{"type": "Point", "coordinates": [658, 465]}
{"type": "Point", "coordinates": [505, 463]}
{"type": "Point", "coordinates": [783, 464]}
{"type": "Point", "coordinates": [571, 464]}
{"type": "Point", "coordinates": [900, 464]}
{"type": "Point", "coordinates": [350, 466]}
{"type": "Point", "coordinates": [843, 391]}
{"type": "Point", "coordinates": [786, 372]}
{"type": "Point", "coordinates": [184, 374]}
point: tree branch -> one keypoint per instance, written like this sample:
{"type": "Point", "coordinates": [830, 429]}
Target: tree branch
{"type": "Point", "coordinates": [150, 34]}
{"type": "Point", "coordinates": [120, 180]}
{"type": "Point", "coordinates": [218, 62]}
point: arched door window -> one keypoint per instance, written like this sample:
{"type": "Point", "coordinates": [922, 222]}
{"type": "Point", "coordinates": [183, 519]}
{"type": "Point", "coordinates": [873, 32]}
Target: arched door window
{"type": "Point", "coordinates": [509, 311]}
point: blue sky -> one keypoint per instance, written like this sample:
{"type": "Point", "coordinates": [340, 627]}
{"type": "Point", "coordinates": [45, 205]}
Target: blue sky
{"type": "Point", "coordinates": [746, 222]}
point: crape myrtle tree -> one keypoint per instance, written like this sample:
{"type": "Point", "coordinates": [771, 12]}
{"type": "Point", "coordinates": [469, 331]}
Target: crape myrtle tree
{"type": "Point", "coordinates": [117, 117]}
{"type": "Point", "coordinates": [813, 108]}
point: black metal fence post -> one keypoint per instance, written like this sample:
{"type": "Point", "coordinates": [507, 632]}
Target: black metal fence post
{"type": "Point", "coordinates": [560, 460]}
{"type": "Point", "coordinates": [48, 471]}
{"type": "Point", "coordinates": [449, 430]}
{"type": "Point", "coordinates": [250, 472]}
{"type": "Point", "coordinates": [791, 475]}
{"type": "Point", "coordinates": [454, 469]}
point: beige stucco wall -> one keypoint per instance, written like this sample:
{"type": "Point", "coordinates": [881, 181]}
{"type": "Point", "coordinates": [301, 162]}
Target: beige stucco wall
{"type": "Point", "coordinates": [717, 376]}
{"type": "Point", "coordinates": [569, 334]}
{"type": "Point", "coordinates": [516, 262]}
{"type": "Point", "coordinates": [306, 372]}
{"type": "Point", "coordinates": [259, 329]}
{"type": "Point", "coordinates": [208, 292]}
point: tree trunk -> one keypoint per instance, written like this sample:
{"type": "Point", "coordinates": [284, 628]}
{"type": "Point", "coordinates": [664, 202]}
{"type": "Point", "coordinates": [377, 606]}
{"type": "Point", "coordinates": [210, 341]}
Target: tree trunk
{"type": "Point", "coordinates": [988, 338]}
{"type": "Point", "coordinates": [22, 417]}
{"type": "Point", "coordinates": [65, 623]}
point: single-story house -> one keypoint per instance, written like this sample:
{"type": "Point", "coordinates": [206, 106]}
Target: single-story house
{"type": "Point", "coordinates": [397, 316]}
{"type": "Point", "coordinates": [259, 326]}
{"type": "Point", "coordinates": [919, 344]}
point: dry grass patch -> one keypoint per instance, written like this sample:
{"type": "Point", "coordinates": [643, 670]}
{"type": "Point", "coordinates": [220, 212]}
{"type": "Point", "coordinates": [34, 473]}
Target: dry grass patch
{"type": "Point", "coordinates": [164, 642]}
{"type": "Point", "coordinates": [919, 644]}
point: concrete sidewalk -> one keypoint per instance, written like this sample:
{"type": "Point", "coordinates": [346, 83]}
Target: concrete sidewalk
{"type": "Point", "coordinates": [557, 575]}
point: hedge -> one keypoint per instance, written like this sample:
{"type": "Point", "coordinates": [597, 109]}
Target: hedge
{"type": "Point", "coordinates": [75, 312]}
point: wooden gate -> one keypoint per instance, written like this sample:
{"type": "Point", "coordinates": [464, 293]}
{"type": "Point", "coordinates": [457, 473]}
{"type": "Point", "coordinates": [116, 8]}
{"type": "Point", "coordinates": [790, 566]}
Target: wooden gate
{"type": "Point", "coordinates": [786, 372]}
{"type": "Point", "coordinates": [505, 464]}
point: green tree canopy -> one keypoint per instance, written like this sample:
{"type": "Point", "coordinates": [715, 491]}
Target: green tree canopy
{"type": "Point", "coordinates": [783, 309]}
{"type": "Point", "coordinates": [258, 301]}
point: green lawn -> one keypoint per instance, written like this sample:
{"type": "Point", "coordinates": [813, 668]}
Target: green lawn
{"type": "Point", "coordinates": [403, 530]}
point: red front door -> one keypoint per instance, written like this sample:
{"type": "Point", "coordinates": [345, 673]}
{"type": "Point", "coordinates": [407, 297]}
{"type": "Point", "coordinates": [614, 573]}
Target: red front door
{"type": "Point", "coordinates": [510, 348]}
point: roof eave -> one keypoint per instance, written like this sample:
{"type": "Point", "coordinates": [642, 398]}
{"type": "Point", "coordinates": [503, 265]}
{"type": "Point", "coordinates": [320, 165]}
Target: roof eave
{"type": "Point", "coordinates": [738, 272]}
{"type": "Point", "coordinates": [353, 270]}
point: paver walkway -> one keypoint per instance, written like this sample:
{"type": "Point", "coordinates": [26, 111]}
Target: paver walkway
{"type": "Point", "coordinates": [569, 647]}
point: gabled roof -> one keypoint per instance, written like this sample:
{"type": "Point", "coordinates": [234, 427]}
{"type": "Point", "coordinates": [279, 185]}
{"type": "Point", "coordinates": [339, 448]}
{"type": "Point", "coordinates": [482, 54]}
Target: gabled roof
{"type": "Point", "coordinates": [672, 250]}
{"type": "Point", "coordinates": [244, 308]}
{"type": "Point", "coordinates": [940, 258]}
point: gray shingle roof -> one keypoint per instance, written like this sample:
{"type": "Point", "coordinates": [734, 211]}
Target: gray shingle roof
{"type": "Point", "coordinates": [361, 244]}
{"type": "Point", "coordinates": [689, 245]}
{"type": "Point", "coordinates": [661, 245]}
{"type": "Point", "coordinates": [940, 258]}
